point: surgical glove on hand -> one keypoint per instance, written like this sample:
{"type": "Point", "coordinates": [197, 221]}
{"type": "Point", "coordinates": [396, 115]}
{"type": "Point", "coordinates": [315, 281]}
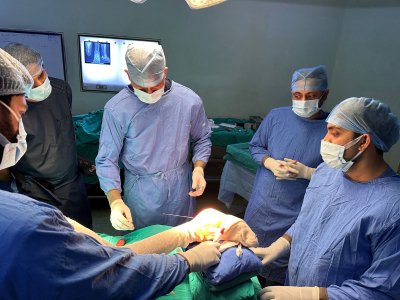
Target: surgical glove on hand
{"type": "Point", "coordinates": [289, 293]}
{"type": "Point", "coordinates": [198, 182]}
{"type": "Point", "coordinates": [278, 167]}
{"type": "Point", "coordinates": [204, 226]}
{"type": "Point", "coordinates": [211, 224]}
{"type": "Point", "coordinates": [121, 218]}
{"type": "Point", "coordinates": [298, 169]}
{"type": "Point", "coordinates": [278, 248]}
{"type": "Point", "coordinates": [203, 256]}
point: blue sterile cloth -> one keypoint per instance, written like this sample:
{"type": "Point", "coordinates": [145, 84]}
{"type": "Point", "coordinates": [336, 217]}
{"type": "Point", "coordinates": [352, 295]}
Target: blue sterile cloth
{"type": "Point", "coordinates": [231, 266]}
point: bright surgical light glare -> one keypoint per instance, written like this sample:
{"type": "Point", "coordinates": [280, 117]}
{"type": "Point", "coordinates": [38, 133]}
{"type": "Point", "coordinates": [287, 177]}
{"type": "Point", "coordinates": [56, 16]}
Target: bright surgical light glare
{"type": "Point", "coordinates": [198, 4]}
{"type": "Point", "coordinates": [139, 1]}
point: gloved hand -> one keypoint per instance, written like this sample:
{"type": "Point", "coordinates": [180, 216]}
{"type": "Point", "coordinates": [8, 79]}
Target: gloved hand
{"type": "Point", "coordinates": [198, 182]}
{"type": "Point", "coordinates": [213, 225]}
{"type": "Point", "coordinates": [203, 256]}
{"type": "Point", "coordinates": [204, 226]}
{"type": "Point", "coordinates": [121, 218]}
{"type": "Point", "coordinates": [298, 169]}
{"type": "Point", "coordinates": [278, 248]}
{"type": "Point", "coordinates": [289, 293]}
{"type": "Point", "coordinates": [277, 167]}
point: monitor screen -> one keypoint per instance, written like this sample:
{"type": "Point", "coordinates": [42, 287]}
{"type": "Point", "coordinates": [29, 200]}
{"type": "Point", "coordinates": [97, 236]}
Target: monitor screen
{"type": "Point", "coordinates": [102, 61]}
{"type": "Point", "coordinates": [48, 44]}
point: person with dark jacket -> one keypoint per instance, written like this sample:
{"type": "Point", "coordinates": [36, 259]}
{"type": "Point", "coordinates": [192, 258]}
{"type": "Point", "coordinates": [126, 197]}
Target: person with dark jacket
{"type": "Point", "coordinates": [48, 171]}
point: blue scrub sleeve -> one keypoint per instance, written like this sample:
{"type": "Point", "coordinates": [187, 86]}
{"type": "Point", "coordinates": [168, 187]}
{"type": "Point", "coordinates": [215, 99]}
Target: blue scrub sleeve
{"type": "Point", "coordinates": [382, 279]}
{"type": "Point", "coordinates": [200, 134]}
{"type": "Point", "coordinates": [55, 262]}
{"type": "Point", "coordinates": [259, 143]}
{"type": "Point", "coordinates": [110, 145]}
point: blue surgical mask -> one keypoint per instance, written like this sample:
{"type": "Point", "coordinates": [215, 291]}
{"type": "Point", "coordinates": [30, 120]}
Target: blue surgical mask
{"type": "Point", "coordinates": [13, 152]}
{"type": "Point", "coordinates": [41, 92]}
{"type": "Point", "coordinates": [332, 154]}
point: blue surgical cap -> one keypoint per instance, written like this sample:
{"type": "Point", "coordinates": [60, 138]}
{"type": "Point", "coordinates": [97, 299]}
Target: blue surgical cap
{"type": "Point", "coordinates": [366, 115]}
{"type": "Point", "coordinates": [310, 79]}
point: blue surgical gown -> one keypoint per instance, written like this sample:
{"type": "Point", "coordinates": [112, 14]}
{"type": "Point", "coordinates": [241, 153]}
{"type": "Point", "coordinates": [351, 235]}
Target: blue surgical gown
{"type": "Point", "coordinates": [42, 257]}
{"type": "Point", "coordinates": [275, 204]}
{"type": "Point", "coordinates": [153, 142]}
{"type": "Point", "coordinates": [347, 236]}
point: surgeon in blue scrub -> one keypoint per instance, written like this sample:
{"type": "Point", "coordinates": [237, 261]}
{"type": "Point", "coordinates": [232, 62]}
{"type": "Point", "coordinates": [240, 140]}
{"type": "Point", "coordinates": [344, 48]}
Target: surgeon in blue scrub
{"type": "Point", "coordinates": [43, 255]}
{"type": "Point", "coordinates": [286, 146]}
{"type": "Point", "coordinates": [150, 127]}
{"type": "Point", "coordinates": [345, 243]}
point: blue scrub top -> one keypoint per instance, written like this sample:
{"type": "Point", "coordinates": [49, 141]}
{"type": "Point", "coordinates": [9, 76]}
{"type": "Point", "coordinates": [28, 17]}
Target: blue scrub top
{"type": "Point", "coordinates": [275, 204]}
{"type": "Point", "coordinates": [44, 258]}
{"type": "Point", "coordinates": [347, 236]}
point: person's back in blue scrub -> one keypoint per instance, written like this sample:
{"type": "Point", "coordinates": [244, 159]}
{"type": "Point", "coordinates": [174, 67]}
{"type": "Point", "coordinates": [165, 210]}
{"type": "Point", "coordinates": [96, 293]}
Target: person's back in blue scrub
{"type": "Point", "coordinates": [286, 146]}
{"type": "Point", "coordinates": [149, 127]}
{"type": "Point", "coordinates": [345, 243]}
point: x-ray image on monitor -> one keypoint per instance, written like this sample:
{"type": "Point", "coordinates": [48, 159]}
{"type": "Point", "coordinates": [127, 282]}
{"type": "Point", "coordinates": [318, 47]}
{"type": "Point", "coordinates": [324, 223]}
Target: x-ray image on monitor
{"type": "Point", "coordinates": [97, 53]}
{"type": "Point", "coordinates": [102, 61]}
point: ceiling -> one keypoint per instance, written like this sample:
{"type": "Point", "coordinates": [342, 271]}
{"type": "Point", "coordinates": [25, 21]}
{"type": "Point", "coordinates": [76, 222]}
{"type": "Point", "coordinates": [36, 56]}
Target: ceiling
{"type": "Point", "coordinates": [347, 3]}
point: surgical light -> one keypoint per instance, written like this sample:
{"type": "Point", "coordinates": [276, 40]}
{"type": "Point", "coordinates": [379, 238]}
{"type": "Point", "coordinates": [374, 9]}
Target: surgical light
{"type": "Point", "coordinates": [198, 4]}
{"type": "Point", "coordinates": [193, 4]}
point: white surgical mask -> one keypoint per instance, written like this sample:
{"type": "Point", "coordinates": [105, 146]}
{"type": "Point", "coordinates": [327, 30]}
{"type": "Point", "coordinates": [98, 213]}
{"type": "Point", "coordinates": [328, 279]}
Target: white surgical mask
{"type": "Point", "coordinates": [149, 98]}
{"type": "Point", "coordinates": [306, 108]}
{"type": "Point", "coordinates": [13, 152]}
{"type": "Point", "coordinates": [41, 92]}
{"type": "Point", "coordinates": [332, 154]}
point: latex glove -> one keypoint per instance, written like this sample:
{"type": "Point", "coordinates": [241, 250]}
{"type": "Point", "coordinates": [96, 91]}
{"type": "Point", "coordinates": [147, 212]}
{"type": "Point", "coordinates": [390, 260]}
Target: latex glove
{"type": "Point", "coordinates": [121, 218]}
{"type": "Point", "coordinates": [289, 293]}
{"type": "Point", "coordinates": [198, 182]}
{"type": "Point", "coordinates": [203, 256]}
{"type": "Point", "coordinates": [278, 168]}
{"type": "Point", "coordinates": [204, 226]}
{"type": "Point", "coordinates": [278, 248]}
{"type": "Point", "coordinates": [213, 225]}
{"type": "Point", "coordinates": [298, 169]}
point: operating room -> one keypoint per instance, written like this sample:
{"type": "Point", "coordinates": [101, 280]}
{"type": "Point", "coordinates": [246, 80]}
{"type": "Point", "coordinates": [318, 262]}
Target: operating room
{"type": "Point", "coordinates": [236, 62]}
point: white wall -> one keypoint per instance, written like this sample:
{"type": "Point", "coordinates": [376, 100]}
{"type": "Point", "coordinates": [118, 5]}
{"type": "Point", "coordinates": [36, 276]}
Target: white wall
{"type": "Point", "coordinates": [368, 59]}
{"type": "Point", "coordinates": [238, 56]}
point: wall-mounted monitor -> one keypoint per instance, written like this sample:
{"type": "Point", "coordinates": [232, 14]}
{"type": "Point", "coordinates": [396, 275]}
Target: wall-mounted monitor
{"type": "Point", "coordinates": [48, 44]}
{"type": "Point", "coordinates": [102, 61]}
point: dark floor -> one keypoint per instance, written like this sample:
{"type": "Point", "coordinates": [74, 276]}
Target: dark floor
{"type": "Point", "coordinates": [101, 209]}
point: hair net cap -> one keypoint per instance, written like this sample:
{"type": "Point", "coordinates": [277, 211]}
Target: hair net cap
{"type": "Point", "coordinates": [146, 63]}
{"type": "Point", "coordinates": [26, 55]}
{"type": "Point", "coordinates": [14, 78]}
{"type": "Point", "coordinates": [366, 115]}
{"type": "Point", "coordinates": [310, 79]}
